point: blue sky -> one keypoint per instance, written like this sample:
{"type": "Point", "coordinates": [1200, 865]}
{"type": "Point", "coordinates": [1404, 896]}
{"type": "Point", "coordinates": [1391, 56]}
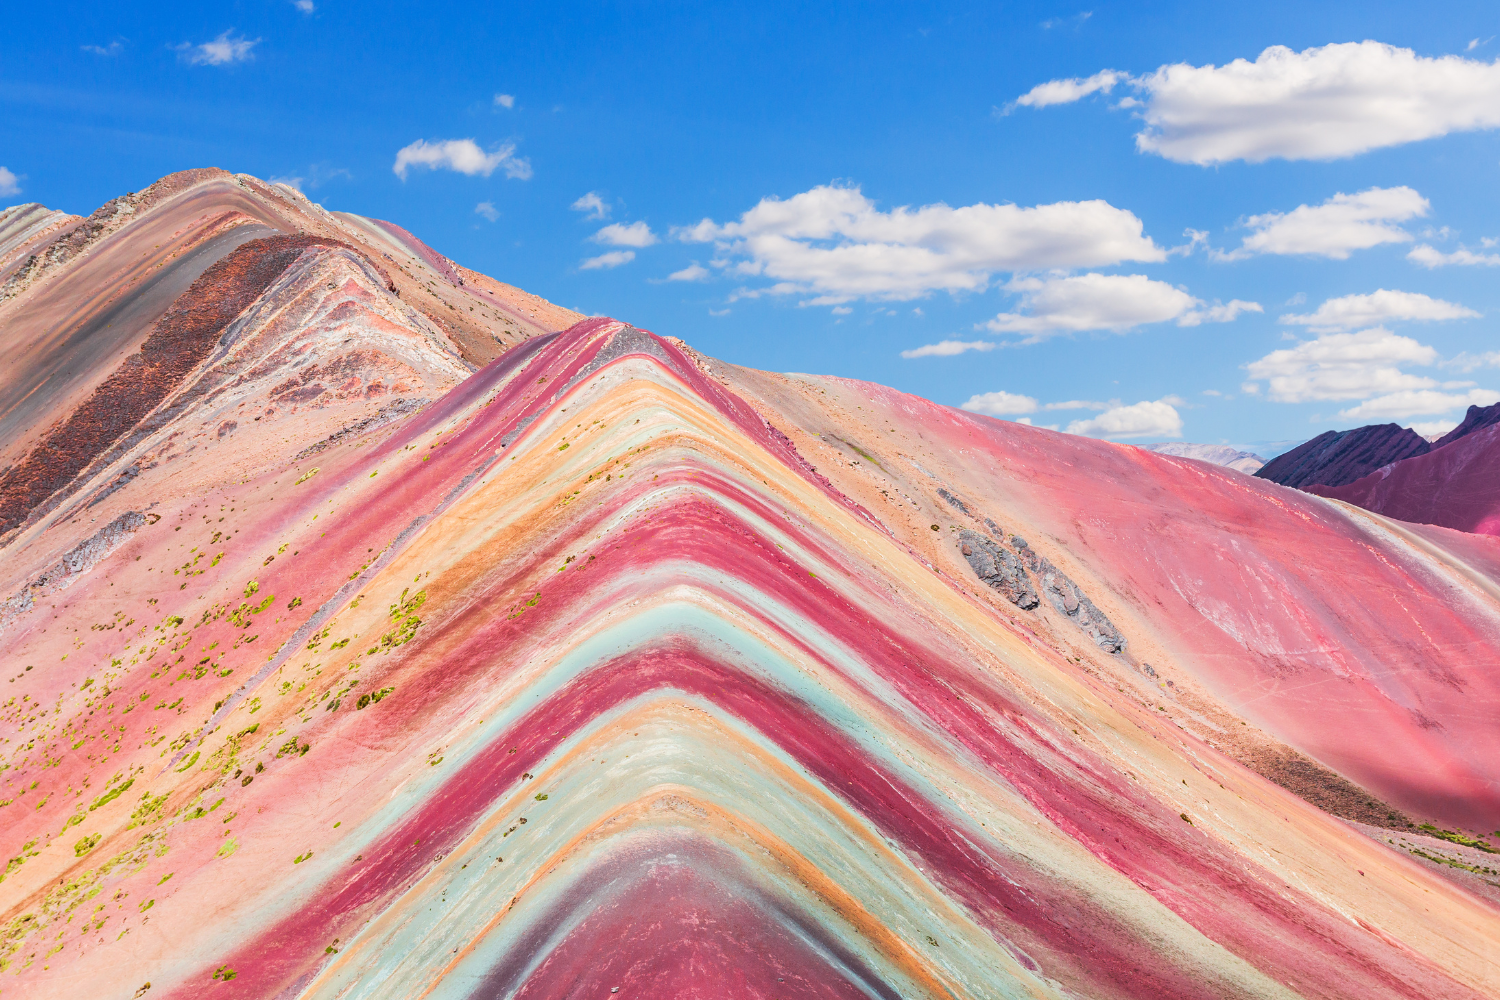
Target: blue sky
{"type": "Point", "coordinates": [1184, 246]}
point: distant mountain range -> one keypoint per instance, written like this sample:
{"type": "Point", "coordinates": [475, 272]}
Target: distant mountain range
{"type": "Point", "coordinates": [1219, 454]}
{"type": "Point", "coordinates": [1388, 469]}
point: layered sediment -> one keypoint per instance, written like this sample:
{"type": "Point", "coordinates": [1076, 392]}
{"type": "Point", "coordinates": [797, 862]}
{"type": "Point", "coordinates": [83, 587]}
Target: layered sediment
{"type": "Point", "coordinates": [603, 665]}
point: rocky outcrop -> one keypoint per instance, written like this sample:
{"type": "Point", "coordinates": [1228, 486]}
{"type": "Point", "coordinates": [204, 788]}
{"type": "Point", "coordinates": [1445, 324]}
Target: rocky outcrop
{"type": "Point", "coordinates": [1065, 597]}
{"type": "Point", "coordinates": [1005, 571]}
{"type": "Point", "coordinates": [74, 563]}
{"type": "Point", "coordinates": [998, 568]}
{"type": "Point", "coordinates": [1334, 458]}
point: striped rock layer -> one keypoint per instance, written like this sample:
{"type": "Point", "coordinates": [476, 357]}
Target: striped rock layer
{"type": "Point", "coordinates": [597, 667]}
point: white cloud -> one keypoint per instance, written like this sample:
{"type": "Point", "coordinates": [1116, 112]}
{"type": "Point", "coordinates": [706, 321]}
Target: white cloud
{"type": "Point", "coordinates": [693, 272]}
{"type": "Point", "coordinates": [1068, 91]}
{"type": "Point", "coordinates": [294, 182]}
{"type": "Point", "coordinates": [1106, 302]}
{"type": "Point", "coordinates": [1076, 21]}
{"type": "Point", "coordinates": [1466, 362]}
{"type": "Point", "coordinates": [1429, 257]}
{"type": "Point", "coordinates": [222, 51]}
{"type": "Point", "coordinates": [505, 101]}
{"type": "Point", "coordinates": [10, 184]}
{"type": "Point", "coordinates": [463, 156]}
{"type": "Point", "coordinates": [1433, 428]}
{"type": "Point", "coordinates": [1343, 366]}
{"type": "Point", "coordinates": [1000, 404]}
{"type": "Point", "coordinates": [305, 6]}
{"type": "Point", "coordinates": [833, 243]}
{"type": "Point", "coordinates": [1417, 403]}
{"type": "Point", "coordinates": [1380, 306]}
{"type": "Point", "coordinates": [1153, 418]}
{"type": "Point", "coordinates": [488, 210]}
{"type": "Point", "coordinates": [591, 204]}
{"type": "Point", "coordinates": [1318, 104]}
{"type": "Point", "coordinates": [948, 348]}
{"type": "Point", "coordinates": [607, 260]}
{"type": "Point", "coordinates": [617, 234]}
{"type": "Point", "coordinates": [112, 49]}
{"type": "Point", "coordinates": [1343, 223]}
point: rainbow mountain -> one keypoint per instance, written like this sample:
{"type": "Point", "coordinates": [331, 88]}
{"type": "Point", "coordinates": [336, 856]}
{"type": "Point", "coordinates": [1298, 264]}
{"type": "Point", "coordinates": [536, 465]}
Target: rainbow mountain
{"type": "Point", "coordinates": [372, 628]}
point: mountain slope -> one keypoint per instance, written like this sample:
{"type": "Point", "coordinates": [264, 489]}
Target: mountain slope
{"type": "Point", "coordinates": [610, 666]}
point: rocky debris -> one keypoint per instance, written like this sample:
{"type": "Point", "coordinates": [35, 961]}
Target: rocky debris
{"type": "Point", "coordinates": [998, 568]}
{"type": "Point", "coordinates": [1063, 594]}
{"type": "Point", "coordinates": [953, 501]}
{"type": "Point", "coordinates": [1337, 458]}
{"type": "Point", "coordinates": [391, 411]}
{"type": "Point", "coordinates": [1478, 418]}
{"type": "Point", "coordinates": [74, 563]}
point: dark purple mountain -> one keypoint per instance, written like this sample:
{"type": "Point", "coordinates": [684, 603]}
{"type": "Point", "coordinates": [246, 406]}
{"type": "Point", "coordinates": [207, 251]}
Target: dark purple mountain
{"type": "Point", "coordinates": [1478, 418]}
{"type": "Point", "coordinates": [1335, 458]}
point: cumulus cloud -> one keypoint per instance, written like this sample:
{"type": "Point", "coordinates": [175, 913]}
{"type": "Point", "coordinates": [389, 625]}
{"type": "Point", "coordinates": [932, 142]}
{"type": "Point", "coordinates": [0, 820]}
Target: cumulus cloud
{"type": "Point", "coordinates": [1340, 366]}
{"type": "Point", "coordinates": [948, 348]}
{"type": "Point", "coordinates": [463, 156]}
{"type": "Point", "coordinates": [1417, 403]}
{"type": "Point", "coordinates": [305, 6]}
{"type": "Point", "coordinates": [10, 184]}
{"type": "Point", "coordinates": [617, 234]}
{"type": "Point", "coordinates": [592, 205]}
{"type": "Point", "coordinates": [112, 49]}
{"type": "Point", "coordinates": [505, 101]}
{"type": "Point", "coordinates": [1343, 223]}
{"type": "Point", "coordinates": [1318, 104]}
{"type": "Point", "coordinates": [1429, 257]}
{"type": "Point", "coordinates": [1149, 418]}
{"type": "Point", "coordinates": [1106, 302]}
{"type": "Point", "coordinates": [693, 272]}
{"type": "Point", "coordinates": [1381, 306]}
{"type": "Point", "coordinates": [833, 243]}
{"type": "Point", "coordinates": [606, 261]}
{"type": "Point", "coordinates": [488, 210]}
{"type": "Point", "coordinates": [222, 51]}
{"type": "Point", "coordinates": [1000, 404]}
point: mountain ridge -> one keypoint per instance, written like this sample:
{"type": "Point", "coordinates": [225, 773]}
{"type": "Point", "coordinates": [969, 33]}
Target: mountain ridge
{"type": "Point", "coordinates": [601, 664]}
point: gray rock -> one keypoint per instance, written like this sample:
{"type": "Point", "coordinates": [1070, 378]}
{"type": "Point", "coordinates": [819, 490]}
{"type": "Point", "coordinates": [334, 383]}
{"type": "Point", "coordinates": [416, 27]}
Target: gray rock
{"type": "Point", "coordinates": [1063, 594]}
{"type": "Point", "coordinates": [953, 501]}
{"type": "Point", "coordinates": [998, 568]}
